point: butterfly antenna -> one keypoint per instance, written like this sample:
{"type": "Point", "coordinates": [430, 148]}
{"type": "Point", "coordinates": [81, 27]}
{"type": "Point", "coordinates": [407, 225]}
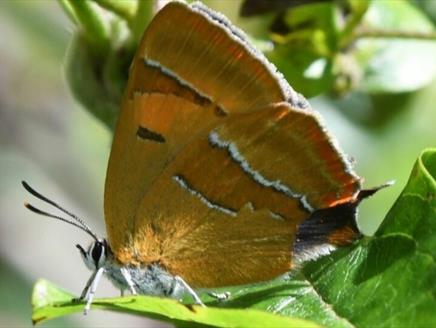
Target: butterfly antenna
{"type": "Point", "coordinates": [40, 212]}
{"type": "Point", "coordinates": [78, 222]}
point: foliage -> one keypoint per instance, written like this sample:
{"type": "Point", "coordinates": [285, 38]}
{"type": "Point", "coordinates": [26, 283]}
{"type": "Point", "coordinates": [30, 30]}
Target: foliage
{"type": "Point", "coordinates": [353, 45]}
{"type": "Point", "coordinates": [329, 46]}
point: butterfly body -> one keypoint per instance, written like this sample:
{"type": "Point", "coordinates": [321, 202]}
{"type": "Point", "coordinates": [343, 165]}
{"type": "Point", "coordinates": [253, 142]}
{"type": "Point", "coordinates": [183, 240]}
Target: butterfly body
{"type": "Point", "coordinates": [148, 280]}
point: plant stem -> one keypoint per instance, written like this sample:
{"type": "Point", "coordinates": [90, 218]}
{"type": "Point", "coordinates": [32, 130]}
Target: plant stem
{"type": "Point", "coordinates": [123, 9]}
{"type": "Point", "coordinates": [93, 26]}
{"type": "Point", "coordinates": [144, 14]}
{"type": "Point", "coordinates": [389, 34]}
{"type": "Point", "coordinates": [69, 11]}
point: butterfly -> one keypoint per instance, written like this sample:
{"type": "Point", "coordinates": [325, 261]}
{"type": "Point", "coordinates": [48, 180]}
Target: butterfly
{"type": "Point", "coordinates": [220, 174]}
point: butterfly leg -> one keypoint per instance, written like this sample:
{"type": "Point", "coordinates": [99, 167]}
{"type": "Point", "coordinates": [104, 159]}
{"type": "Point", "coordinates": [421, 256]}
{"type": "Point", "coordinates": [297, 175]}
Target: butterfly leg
{"type": "Point", "coordinates": [85, 291]}
{"type": "Point", "coordinates": [220, 296]}
{"type": "Point", "coordinates": [189, 290]}
{"type": "Point", "coordinates": [128, 279]}
{"type": "Point", "coordinates": [92, 289]}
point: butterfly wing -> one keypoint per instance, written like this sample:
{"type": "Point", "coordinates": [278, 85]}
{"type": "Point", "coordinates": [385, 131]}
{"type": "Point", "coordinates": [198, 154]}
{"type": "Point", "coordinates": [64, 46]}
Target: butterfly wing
{"type": "Point", "coordinates": [210, 171]}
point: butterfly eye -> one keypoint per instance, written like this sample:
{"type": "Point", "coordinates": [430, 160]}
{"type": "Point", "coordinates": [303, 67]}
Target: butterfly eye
{"type": "Point", "coordinates": [97, 253]}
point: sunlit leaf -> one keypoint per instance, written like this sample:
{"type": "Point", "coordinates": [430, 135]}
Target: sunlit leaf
{"type": "Point", "coordinates": [50, 302]}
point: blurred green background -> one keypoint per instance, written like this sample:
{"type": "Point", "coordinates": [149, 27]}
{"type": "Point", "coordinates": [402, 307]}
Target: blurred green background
{"type": "Point", "coordinates": [49, 140]}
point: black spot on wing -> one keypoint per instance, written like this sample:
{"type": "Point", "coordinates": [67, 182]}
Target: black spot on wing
{"type": "Point", "coordinates": [321, 223]}
{"type": "Point", "coordinates": [147, 134]}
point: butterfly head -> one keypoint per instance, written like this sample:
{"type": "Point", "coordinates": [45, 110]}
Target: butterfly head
{"type": "Point", "coordinates": [96, 255]}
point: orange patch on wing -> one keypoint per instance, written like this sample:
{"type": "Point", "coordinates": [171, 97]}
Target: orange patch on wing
{"type": "Point", "coordinates": [343, 236]}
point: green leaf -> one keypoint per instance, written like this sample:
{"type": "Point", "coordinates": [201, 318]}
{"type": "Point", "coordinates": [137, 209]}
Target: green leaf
{"type": "Point", "coordinates": [417, 200]}
{"type": "Point", "coordinates": [395, 63]}
{"type": "Point", "coordinates": [49, 302]}
{"type": "Point", "coordinates": [97, 85]}
{"type": "Point", "coordinates": [357, 9]}
{"type": "Point", "coordinates": [303, 54]}
{"type": "Point", "coordinates": [307, 73]}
